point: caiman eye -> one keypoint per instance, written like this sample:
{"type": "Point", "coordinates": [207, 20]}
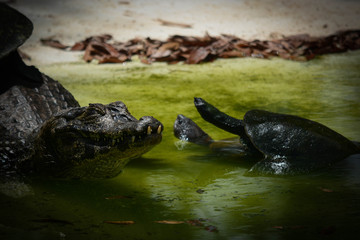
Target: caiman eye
{"type": "Point", "coordinates": [98, 108]}
{"type": "Point", "coordinates": [93, 112]}
{"type": "Point", "coordinates": [120, 114]}
{"type": "Point", "coordinates": [121, 117]}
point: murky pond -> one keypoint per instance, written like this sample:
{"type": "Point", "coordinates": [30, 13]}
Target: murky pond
{"type": "Point", "coordinates": [182, 191]}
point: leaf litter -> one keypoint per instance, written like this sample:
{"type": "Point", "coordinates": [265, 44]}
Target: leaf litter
{"type": "Point", "coordinates": [195, 50]}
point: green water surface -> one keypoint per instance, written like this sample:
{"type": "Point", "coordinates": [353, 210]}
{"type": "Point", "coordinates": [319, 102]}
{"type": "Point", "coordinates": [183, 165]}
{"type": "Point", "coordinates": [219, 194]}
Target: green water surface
{"type": "Point", "coordinates": [179, 182]}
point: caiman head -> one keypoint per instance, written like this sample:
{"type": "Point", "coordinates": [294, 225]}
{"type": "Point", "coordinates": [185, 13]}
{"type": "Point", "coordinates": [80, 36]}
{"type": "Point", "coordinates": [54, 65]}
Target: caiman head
{"type": "Point", "coordinates": [93, 142]}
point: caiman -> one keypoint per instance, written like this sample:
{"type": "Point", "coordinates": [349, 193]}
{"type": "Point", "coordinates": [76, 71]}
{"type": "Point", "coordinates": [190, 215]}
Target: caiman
{"type": "Point", "coordinates": [45, 131]}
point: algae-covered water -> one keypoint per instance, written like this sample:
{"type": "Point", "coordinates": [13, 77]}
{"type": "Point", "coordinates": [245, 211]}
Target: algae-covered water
{"type": "Point", "coordinates": [196, 194]}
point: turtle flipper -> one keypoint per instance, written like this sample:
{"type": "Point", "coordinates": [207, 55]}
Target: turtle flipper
{"type": "Point", "coordinates": [271, 167]}
{"type": "Point", "coordinates": [285, 166]}
{"type": "Point", "coordinates": [186, 129]}
{"type": "Point", "coordinates": [221, 120]}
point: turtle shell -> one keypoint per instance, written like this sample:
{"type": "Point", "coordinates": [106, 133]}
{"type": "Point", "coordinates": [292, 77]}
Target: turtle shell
{"type": "Point", "coordinates": [15, 28]}
{"type": "Point", "coordinates": [294, 139]}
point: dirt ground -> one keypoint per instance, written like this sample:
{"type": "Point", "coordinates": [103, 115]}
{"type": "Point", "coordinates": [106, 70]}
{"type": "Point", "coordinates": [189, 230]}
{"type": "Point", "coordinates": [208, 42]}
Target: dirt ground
{"type": "Point", "coordinates": [73, 20]}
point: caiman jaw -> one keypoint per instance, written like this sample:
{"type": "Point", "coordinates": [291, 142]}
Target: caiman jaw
{"type": "Point", "coordinates": [123, 138]}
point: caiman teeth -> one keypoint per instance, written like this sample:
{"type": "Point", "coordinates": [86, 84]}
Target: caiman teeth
{"type": "Point", "coordinates": [159, 129]}
{"type": "Point", "coordinates": [133, 139]}
{"type": "Point", "coordinates": [149, 130]}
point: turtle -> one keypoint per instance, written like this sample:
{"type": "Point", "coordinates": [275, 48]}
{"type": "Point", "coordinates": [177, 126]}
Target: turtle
{"type": "Point", "coordinates": [45, 132]}
{"type": "Point", "coordinates": [282, 144]}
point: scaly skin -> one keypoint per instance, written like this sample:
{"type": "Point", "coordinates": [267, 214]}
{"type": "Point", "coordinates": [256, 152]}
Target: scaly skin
{"type": "Point", "coordinates": [23, 111]}
{"type": "Point", "coordinates": [93, 142]}
{"type": "Point", "coordinates": [45, 130]}
{"type": "Point", "coordinates": [283, 144]}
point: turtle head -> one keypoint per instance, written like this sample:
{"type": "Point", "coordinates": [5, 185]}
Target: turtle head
{"type": "Point", "coordinates": [187, 130]}
{"type": "Point", "coordinates": [94, 142]}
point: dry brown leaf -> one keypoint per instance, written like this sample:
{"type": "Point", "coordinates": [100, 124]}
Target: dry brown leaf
{"type": "Point", "coordinates": [120, 222]}
{"type": "Point", "coordinates": [326, 190]}
{"type": "Point", "coordinates": [53, 43]}
{"type": "Point", "coordinates": [195, 222]}
{"type": "Point", "coordinates": [111, 59]}
{"type": "Point", "coordinates": [169, 222]}
{"type": "Point", "coordinates": [165, 50]}
{"type": "Point", "coordinates": [197, 55]}
{"type": "Point", "coordinates": [232, 54]}
{"type": "Point", "coordinates": [278, 227]}
{"type": "Point", "coordinates": [79, 46]}
{"type": "Point", "coordinates": [173, 24]}
{"type": "Point", "coordinates": [211, 228]}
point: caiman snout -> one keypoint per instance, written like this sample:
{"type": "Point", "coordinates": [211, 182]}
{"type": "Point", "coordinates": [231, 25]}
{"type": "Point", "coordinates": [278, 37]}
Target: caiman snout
{"type": "Point", "coordinates": [95, 141]}
{"type": "Point", "coordinates": [150, 124]}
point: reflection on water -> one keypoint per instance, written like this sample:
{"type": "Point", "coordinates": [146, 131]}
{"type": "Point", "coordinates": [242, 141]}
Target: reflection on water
{"type": "Point", "coordinates": [182, 182]}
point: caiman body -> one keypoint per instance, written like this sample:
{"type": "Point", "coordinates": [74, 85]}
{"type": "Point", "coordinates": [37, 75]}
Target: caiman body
{"type": "Point", "coordinates": [44, 130]}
